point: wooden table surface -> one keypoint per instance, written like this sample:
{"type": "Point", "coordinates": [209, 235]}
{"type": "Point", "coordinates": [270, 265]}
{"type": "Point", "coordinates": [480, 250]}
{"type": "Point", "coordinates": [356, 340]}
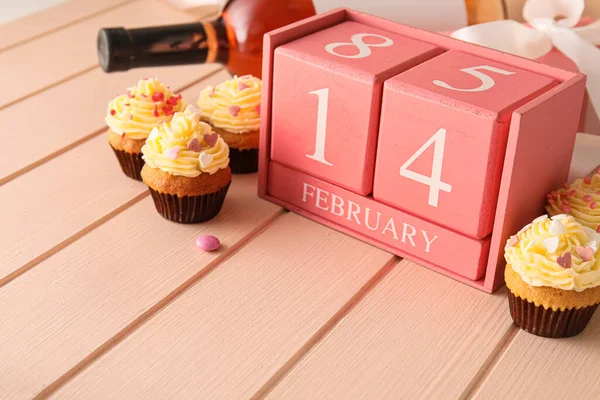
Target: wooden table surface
{"type": "Point", "coordinates": [101, 298]}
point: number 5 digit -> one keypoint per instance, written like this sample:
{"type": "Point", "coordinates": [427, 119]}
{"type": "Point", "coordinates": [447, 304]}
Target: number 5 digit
{"type": "Point", "coordinates": [486, 81]}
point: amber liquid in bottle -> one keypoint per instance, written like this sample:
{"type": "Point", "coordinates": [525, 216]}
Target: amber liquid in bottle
{"type": "Point", "coordinates": [234, 40]}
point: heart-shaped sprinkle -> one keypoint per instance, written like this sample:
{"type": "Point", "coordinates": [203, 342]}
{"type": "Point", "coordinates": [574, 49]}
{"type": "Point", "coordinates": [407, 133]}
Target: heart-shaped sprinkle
{"type": "Point", "coordinates": [211, 139]}
{"type": "Point", "coordinates": [514, 239]}
{"type": "Point", "coordinates": [194, 145]}
{"type": "Point", "coordinates": [587, 180]}
{"type": "Point", "coordinates": [242, 86]}
{"type": "Point", "coordinates": [564, 260]}
{"type": "Point", "coordinates": [557, 228]}
{"type": "Point", "coordinates": [205, 159]}
{"type": "Point", "coordinates": [530, 244]}
{"type": "Point", "coordinates": [551, 244]}
{"type": "Point", "coordinates": [234, 110]}
{"type": "Point", "coordinates": [592, 205]}
{"type": "Point", "coordinates": [587, 197]}
{"type": "Point", "coordinates": [541, 218]}
{"type": "Point", "coordinates": [191, 109]}
{"type": "Point", "coordinates": [585, 253]}
{"type": "Point", "coordinates": [154, 134]}
{"type": "Point", "coordinates": [172, 153]}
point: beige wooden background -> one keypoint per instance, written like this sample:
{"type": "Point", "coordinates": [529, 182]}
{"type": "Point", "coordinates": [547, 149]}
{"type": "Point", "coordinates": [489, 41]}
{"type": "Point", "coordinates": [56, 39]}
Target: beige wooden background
{"type": "Point", "coordinates": [101, 298]}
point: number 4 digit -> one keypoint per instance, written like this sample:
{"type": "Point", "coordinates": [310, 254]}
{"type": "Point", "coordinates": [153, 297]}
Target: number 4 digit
{"type": "Point", "coordinates": [435, 180]}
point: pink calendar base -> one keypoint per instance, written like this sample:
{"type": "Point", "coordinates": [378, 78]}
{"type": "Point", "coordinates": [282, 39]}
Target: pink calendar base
{"type": "Point", "coordinates": [538, 154]}
{"type": "Point", "coordinates": [367, 219]}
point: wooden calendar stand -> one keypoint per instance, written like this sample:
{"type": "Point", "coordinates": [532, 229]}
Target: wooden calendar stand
{"type": "Point", "coordinates": [428, 147]}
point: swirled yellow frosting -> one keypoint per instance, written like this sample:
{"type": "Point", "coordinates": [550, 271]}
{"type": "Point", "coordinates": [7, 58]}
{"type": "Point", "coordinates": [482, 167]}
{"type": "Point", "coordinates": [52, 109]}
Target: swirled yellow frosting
{"type": "Point", "coordinates": [558, 252]}
{"type": "Point", "coordinates": [183, 147]}
{"type": "Point", "coordinates": [581, 199]}
{"type": "Point", "coordinates": [233, 105]}
{"type": "Point", "coordinates": [144, 106]}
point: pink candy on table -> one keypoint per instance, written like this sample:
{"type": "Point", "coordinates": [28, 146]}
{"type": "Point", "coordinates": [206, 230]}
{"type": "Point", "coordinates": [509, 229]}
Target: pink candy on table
{"type": "Point", "coordinates": [208, 242]}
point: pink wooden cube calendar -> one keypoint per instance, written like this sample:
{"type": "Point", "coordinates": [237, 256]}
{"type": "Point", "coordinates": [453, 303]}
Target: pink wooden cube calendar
{"type": "Point", "coordinates": [428, 147]}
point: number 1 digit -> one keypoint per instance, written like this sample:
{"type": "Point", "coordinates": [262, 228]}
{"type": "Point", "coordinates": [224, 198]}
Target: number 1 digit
{"type": "Point", "coordinates": [319, 154]}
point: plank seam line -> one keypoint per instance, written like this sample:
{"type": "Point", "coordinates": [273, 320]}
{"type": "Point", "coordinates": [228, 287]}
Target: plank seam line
{"type": "Point", "coordinates": [490, 363]}
{"type": "Point", "coordinates": [71, 239]}
{"type": "Point", "coordinates": [84, 139]}
{"type": "Point", "coordinates": [154, 310]}
{"type": "Point", "coordinates": [50, 86]}
{"type": "Point", "coordinates": [65, 25]}
{"type": "Point", "coordinates": [327, 327]}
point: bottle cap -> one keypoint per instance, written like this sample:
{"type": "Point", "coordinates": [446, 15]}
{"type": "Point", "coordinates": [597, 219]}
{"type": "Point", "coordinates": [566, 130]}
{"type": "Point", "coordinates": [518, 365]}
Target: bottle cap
{"type": "Point", "coordinates": [115, 49]}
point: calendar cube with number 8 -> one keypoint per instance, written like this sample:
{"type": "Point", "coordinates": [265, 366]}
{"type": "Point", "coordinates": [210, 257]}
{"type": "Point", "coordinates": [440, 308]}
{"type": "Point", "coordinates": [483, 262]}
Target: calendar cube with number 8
{"type": "Point", "coordinates": [431, 148]}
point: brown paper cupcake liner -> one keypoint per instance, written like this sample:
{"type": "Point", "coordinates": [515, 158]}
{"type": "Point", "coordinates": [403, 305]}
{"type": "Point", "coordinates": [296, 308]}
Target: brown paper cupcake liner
{"type": "Point", "coordinates": [546, 322]}
{"type": "Point", "coordinates": [131, 164]}
{"type": "Point", "coordinates": [243, 161]}
{"type": "Point", "coordinates": [189, 209]}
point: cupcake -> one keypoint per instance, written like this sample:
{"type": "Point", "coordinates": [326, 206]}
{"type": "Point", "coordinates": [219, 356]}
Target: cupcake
{"type": "Point", "coordinates": [131, 117]}
{"type": "Point", "coordinates": [187, 169]}
{"type": "Point", "coordinates": [232, 108]}
{"type": "Point", "coordinates": [553, 276]}
{"type": "Point", "coordinates": [581, 199]}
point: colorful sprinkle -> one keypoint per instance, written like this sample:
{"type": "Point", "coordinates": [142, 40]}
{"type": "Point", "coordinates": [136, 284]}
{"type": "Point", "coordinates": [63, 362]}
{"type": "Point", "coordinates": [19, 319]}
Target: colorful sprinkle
{"type": "Point", "coordinates": [551, 201]}
{"type": "Point", "coordinates": [551, 244]}
{"type": "Point", "coordinates": [205, 159]}
{"type": "Point", "coordinates": [168, 110]}
{"type": "Point", "coordinates": [585, 253]}
{"type": "Point", "coordinates": [211, 139]}
{"type": "Point", "coordinates": [172, 101]}
{"type": "Point", "coordinates": [587, 197]}
{"type": "Point", "coordinates": [155, 113]}
{"type": "Point", "coordinates": [130, 95]}
{"type": "Point", "coordinates": [565, 208]}
{"type": "Point", "coordinates": [194, 145]}
{"type": "Point", "coordinates": [564, 260]}
{"type": "Point", "coordinates": [587, 180]}
{"type": "Point", "coordinates": [112, 112]}
{"type": "Point", "coordinates": [572, 193]}
{"type": "Point", "coordinates": [173, 153]}
{"type": "Point", "coordinates": [593, 205]}
{"type": "Point", "coordinates": [257, 109]}
{"type": "Point", "coordinates": [208, 242]}
{"type": "Point", "coordinates": [598, 229]}
{"type": "Point", "coordinates": [158, 96]}
{"type": "Point", "coordinates": [234, 110]}
{"type": "Point", "coordinates": [554, 194]}
{"type": "Point", "coordinates": [242, 86]}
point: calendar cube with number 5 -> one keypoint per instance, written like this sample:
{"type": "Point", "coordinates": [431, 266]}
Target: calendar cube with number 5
{"type": "Point", "coordinates": [431, 148]}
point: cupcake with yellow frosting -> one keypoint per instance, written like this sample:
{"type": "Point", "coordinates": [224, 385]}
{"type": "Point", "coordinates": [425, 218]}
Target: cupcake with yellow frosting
{"type": "Point", "coordinates": [187, 169]}
{"type": "Point", "coordinates": [553, 276]}
{"type": "Point", "coordinates": [232, 108]}
{"type": "Point", "coordinates": [581, 199]}
{"type": "Point", "coordinates": [131, 117]}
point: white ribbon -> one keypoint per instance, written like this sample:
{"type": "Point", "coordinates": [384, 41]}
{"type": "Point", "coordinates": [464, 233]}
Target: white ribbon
{"type": "Point", "coordinates": [548, 30]}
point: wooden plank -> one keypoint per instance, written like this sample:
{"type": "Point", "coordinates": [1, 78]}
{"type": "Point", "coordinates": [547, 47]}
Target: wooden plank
{"type": "Point", "coordinates": [51, 19]}
{"type": "Point", "coordinates": [64, 198]}
{"type": "Point", "coordinates": [537, 368]}
{"type": "Point", "coordinates": [54, 316]}
{"type": "Point", "coordinates": [73, 111]}
{"type": "Point", "coordinates": [234, 329]}
{"type": "Point", "coordinates": [61, 55]}
{"type": "Point", "coordinates": [418, 334]}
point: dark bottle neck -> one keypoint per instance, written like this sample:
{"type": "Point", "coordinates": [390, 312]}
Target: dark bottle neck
{"type": "Point", "coordinates": [121, 49]}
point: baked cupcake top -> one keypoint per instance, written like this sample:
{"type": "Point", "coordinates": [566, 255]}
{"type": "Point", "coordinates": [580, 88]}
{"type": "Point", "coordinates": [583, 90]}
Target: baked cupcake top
{"type": "Point", "coordinates": [557, 252]}
{"type": "Point", "coordinates": [185, 146]}
{"type": "Point", "coordinates": [581, 199]}
{"type": "Point", "coordinates": [233, 105]}
{"type": "Point", "coordinates": [134, 115]}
